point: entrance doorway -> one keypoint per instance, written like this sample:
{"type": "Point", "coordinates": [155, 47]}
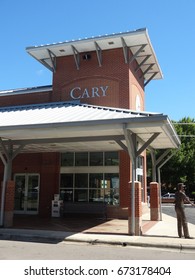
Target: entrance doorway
{"type": "Point", "coordinates": [26, 193]}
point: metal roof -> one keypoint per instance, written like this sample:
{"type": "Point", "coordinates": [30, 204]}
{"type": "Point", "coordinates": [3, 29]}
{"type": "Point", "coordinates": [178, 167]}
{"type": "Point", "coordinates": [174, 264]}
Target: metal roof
{"type": "Point", "coordinates": [61, 112]}
{"type": "Point", "coordinates": [137, 41]}
{"type": "Point", "coordinates": [25, 90]}
{"type": "Point", "coordinates": [71, 126]}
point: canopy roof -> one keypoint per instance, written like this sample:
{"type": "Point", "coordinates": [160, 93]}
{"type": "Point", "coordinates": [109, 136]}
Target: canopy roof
{"type": "Point", "coordinates": [137, 41]}
{"type": "Point", "coordinates": [71, 126]}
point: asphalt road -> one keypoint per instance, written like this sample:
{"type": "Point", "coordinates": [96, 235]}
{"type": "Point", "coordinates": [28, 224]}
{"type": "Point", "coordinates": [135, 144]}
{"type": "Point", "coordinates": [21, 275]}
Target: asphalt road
{"type": "Point", "coordinates": [15, 250]}
{"type": "Point", "coordinates": [168, 209]}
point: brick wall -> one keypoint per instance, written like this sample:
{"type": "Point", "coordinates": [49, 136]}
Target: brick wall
{"type": "Point", "coordinates": [27, 98]}
{"type": "Point", "coordinates": [123, 85]}
{"type": "Point", "coordinates": [113, 72]}
{"type": "Point", "coordinates": [48, 166]}
{"type": "Point", "coordinates": [50, 170]}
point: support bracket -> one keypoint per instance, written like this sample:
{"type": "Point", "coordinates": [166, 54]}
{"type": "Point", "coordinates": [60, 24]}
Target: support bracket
{"type": "Point", "coordinates": [99, 53]}
{"type": "Point", "coordinates": [76, 57]}
{"type": "Point", "coordinates": [125, 50]}
{"type": "Point", "coordinates": [53, 60]}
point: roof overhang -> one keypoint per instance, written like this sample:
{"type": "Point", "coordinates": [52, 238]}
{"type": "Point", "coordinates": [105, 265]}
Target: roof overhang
{"type": "Point", "coordinates": [138, 42]}
{"type": "Point", "coordinates": [59, 127]}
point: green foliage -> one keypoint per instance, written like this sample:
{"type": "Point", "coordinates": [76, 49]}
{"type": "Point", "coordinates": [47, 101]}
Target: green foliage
{"type": "Point", "coordinates": [181, 167]}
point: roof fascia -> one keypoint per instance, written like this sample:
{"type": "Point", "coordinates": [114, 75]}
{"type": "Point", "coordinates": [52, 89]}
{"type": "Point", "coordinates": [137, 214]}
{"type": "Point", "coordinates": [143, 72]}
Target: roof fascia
{"type": "Point", "coordinates": [95, 38]}
{"type": "Point", "coordinates": [116, 138]}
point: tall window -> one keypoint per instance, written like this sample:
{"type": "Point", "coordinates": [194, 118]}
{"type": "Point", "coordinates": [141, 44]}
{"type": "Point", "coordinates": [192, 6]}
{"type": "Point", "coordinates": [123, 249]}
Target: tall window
{"type": "Point", "coordinates": [90, 177]}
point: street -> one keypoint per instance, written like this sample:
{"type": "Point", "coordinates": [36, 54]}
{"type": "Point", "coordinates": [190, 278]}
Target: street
{"type": "Point", "coordinates": [168, 209]}
{"type": "Point", "coordinates": [17, 250]}
{"type": "Point", "coordinates": [14, 250]}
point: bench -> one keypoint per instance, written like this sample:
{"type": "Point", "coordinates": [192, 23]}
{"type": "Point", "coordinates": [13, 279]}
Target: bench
{"type": "Point", "coordinates": [87, 208]}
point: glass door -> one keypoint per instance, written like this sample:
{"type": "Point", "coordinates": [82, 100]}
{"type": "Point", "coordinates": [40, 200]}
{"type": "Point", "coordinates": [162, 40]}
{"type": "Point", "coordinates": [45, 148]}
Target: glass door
{"type": "Point", "coordinates": [26, 193]}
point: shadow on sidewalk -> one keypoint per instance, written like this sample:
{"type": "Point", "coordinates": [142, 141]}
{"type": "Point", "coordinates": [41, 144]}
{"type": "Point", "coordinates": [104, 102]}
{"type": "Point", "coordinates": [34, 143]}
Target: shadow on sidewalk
{"type": "Point", "coordinates": [35, 228]}
{"type": "Point", "coordinates": [66, 224]}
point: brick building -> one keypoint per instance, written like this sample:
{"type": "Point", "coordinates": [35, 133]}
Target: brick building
{"type": "Point", "coordinates": [85, 136]}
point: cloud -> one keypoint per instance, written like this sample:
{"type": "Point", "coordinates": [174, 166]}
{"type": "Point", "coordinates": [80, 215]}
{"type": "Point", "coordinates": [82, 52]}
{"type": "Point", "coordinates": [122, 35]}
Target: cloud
{"type": "Point", "coordinates": [39, 72]}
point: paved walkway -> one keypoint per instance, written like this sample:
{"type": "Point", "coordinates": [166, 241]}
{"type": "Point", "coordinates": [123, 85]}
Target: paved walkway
{"type": "Point", "coordinates": [161, 234]}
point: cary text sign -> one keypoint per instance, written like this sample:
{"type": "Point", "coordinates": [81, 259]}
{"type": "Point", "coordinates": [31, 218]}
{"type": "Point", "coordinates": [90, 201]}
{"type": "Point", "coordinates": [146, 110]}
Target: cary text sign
{"type": "Point", "coordinates": [88, 92]}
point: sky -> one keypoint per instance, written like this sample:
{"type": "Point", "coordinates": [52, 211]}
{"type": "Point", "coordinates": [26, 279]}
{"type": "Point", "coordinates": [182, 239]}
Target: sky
{"type": "Point", "coordinates": [170, 25]}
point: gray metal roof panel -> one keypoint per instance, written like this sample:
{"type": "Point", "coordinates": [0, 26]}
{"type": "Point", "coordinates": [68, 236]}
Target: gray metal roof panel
{"type": "Point", "coordinates": [62, 112]}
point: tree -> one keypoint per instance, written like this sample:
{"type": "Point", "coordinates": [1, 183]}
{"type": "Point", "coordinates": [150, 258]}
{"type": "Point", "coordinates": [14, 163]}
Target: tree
{"type": "Point", "coordinates": [181, 167]}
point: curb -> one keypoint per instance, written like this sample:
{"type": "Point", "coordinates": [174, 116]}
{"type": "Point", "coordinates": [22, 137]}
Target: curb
{"type": "Point", "coordinates": [30, 238]}
{"type": "Point", "coordinates": [93, 241]}
{"type": "Point", "coordinates": [134, 244]}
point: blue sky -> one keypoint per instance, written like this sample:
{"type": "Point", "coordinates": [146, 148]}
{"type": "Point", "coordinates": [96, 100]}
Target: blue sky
{"type": "Point", "coordinates": [170, 25]}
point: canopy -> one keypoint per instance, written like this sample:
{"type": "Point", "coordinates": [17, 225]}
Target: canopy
{"type": "Point", "coordinates": [71, 126]}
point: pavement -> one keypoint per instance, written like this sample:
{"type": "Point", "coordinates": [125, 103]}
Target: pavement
{"type": "Point", "coordinates": [156, 234]}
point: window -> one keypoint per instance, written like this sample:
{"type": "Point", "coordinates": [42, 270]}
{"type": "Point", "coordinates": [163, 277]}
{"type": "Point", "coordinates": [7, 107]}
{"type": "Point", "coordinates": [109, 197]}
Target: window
{"type": "Point", "coordinates": [67, 181]}
{"type": "Point", "coordinates": [95, 180]}
{"type": "Point", "coordinates": [111, 193]}
{"type": "Point", "coordinates": [83, 182]}
{"type": "Point", "coordinates": [90, 159]}
{"type": "Point", "coordinates": [95, 195]}
{"type": "Point", "coordinates": [81, 196]}
{"type": "Point", "coordinates": [96, 159]}
{"type": "Point", "coordinates": [111, 158]}
{"type": "Point", "coordinates": [66, 187]}
{"type": "Point", "coordinates": [81, 159]}
{"type": "Point", "coordinates": [95, 190]}
{"type": "Point", "coordinates": [67, 159]}
{"type": "Point", "coordinates": [90, 187]}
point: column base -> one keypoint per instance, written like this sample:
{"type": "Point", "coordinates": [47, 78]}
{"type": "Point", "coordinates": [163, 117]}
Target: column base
{"type": "Point", "coordinates": [138, 226]}
{"type": "Point", "coordinates": [154, 214]}
{"type": "Point", "coordinates": [8, 219]}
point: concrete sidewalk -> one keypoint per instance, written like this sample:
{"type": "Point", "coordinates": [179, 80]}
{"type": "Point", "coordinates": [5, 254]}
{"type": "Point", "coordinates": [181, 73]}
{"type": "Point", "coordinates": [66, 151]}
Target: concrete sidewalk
{"type": "Point", "coordinates": [161, 234]}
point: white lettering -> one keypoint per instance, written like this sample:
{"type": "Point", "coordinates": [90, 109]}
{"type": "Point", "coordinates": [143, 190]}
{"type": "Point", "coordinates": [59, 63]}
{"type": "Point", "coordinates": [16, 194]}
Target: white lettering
{"type": "Point", "coordinates": [78, 92]}
{"type": "Point", "coordinates": [73, 91]}
{"type": "Point", "coordinates": [85, 94]}
{"type": "Point", "coordinates": [94, 92]}
{"type": "Point", "coordinates": [104, 89]}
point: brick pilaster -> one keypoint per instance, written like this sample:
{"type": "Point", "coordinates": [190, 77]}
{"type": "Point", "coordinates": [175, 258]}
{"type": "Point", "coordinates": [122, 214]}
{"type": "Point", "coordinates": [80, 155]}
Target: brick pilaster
{"type": "Point", "coordinates": [9, 204]}
{"type": "Point", "coordinates": [154, 202]}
